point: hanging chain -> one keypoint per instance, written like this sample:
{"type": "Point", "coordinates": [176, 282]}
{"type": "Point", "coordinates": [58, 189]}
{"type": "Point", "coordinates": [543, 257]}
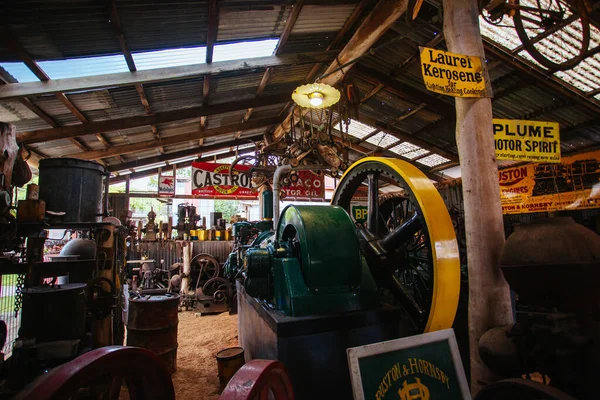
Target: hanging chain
{"type": "Point", "coordinates": [19, 293]}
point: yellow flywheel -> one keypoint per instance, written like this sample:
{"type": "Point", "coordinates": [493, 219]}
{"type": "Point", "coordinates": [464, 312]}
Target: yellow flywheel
{"type": "Point", "coordinates": [407, 237]}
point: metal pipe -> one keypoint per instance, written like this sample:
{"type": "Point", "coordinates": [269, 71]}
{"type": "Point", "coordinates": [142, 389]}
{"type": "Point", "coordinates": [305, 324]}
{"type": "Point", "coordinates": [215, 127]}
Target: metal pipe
{"type": "Point", "coordinates": [106, 191]}
{"type": "Point", "coordinates": [276, 186]}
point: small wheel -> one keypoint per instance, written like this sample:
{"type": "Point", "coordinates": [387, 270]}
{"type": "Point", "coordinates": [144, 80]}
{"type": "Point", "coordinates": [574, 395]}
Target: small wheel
{"type": "Point", "coordinates": [260, 379]}
{"type": "Point", "coordinates": [215, 284]}
{"type": "Point", "coordinates": [541, 28]}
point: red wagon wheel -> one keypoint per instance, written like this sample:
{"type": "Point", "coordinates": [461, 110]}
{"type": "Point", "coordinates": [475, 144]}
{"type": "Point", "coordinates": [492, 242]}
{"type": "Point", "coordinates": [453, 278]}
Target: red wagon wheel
{"type": "Point", "coordinates": [256, 379]}
{"type": "Point", "coordinates": [101, 373]}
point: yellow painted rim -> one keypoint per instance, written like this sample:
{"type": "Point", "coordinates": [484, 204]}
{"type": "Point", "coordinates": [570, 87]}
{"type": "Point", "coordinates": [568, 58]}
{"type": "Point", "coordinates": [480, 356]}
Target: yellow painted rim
{"type": "Point", "coordinates": [446, 260]}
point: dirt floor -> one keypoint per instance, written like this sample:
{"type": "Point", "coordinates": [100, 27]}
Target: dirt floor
{"type": "Point", "coordinates": [200, 338]}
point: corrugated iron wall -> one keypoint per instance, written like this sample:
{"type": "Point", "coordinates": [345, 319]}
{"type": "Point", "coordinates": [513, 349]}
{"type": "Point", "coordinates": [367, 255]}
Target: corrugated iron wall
{"type": "Point", "coordinates": [167, 253]}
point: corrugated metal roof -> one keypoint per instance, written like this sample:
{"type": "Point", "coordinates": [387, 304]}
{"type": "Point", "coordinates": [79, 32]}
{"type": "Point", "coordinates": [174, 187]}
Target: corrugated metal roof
{"type": "Point", "coordinates": [251, 22]}
{"type": "Point", "coordinates": [163, 24]}
{"type": "Point", "coordinates": [317, 18]}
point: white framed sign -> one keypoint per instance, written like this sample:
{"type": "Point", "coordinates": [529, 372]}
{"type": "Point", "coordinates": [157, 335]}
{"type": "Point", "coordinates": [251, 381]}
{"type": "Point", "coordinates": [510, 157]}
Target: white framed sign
{"type": "Point", "coordinates": [425, 367]}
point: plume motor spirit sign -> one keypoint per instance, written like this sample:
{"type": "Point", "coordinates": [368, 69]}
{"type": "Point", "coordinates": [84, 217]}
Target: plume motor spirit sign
{"type": "Point", "coordinates": [453, 74]}
{"type": "Point", "coordinates": [534, 141]}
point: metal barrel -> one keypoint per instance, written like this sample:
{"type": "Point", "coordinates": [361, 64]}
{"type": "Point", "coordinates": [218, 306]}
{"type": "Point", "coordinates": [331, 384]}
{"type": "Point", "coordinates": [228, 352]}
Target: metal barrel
{"type": "Point", "coordinates": [72, 186]}
{"type": "Point", "coordinates": [229, 361]}
{"type": "Point", "coordinates": [52, 313]}
{"type": "Point", "coordinates": [152, 324]}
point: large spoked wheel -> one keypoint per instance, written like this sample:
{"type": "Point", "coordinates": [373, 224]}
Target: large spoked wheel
{"type": "Point", "coordinates": [542, 27]}
{"type": "Point", "coordinates": [206, 266]}
{"type": "Point", "coordinates": [101, 373]}
{"type": "Point", "coordinates": [408, 240]}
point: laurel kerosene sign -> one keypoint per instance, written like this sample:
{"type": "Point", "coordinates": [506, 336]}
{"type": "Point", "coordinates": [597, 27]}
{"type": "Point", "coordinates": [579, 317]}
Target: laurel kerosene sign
{"type": "Point", "coordinates": [425, 367]}
{"type": "Point", "coordinates": [453, 74]}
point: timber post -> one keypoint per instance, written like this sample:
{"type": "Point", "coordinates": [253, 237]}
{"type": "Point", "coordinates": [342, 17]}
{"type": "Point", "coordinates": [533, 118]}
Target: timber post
{"type": "Point", "coordinates": [489, 296]}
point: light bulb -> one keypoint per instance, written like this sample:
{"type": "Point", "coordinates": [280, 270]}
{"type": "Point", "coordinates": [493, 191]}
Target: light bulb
{"type": "Point", "coordinates": [316, 101]}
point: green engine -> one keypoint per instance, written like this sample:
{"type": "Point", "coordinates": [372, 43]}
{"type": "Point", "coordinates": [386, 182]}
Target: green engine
{"type": "Point", "coordinates": [313, 267]}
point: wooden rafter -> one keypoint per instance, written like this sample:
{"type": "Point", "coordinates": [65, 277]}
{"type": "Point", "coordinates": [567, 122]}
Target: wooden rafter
{"type": "Point", "coordinates": [373, 27]}
{"type": "Point", "coordinates": [211, 38]}
{"type": "Point", "coordinates": [213, 28]}
{"type": "Point", "coordinates": [177, 155]}
{"type": "Point", "coordinates": [144, 120]}
{"type": "Point", "coordinates": [289, 26]}
{"type": "Point", "coordinates": [169, 141]}
{"type": "Point", "coordinates": [339, 37]}
{"type": "Point", "coordinates": [16, 90]}
{"type": "Point", "coordinates": [405, 136]}
{"type": "Point", "coordinates": [405, 64]}
{"type": "Point", "coordinates": [405, 92]}
{"type": "Point", "coordinates": [536, 73]}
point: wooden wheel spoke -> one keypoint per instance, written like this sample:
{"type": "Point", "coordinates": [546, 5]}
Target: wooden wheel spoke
{"type": "Point", "coordinates": [115, 388]}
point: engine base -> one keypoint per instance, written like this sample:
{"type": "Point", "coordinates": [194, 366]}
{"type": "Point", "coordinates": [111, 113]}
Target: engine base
{"type": "Point", "coordinates": [313, 348]}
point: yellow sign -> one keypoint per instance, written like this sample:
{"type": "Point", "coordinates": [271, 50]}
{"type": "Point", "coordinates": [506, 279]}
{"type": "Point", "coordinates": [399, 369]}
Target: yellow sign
{"type": "Point", "coordinates": [453, 74]}
{"type": "Point", "coordinates": [534, 141]}
{"type": "Point", "coordinates": [574, 184]}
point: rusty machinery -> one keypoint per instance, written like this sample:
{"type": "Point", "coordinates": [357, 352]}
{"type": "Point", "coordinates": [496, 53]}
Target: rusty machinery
{"type": "Point", "coordinates": [553, 264]}
{"type": "Point", "coordinates": [405, 255]}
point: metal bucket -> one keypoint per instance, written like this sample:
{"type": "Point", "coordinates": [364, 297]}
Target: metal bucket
{"type": "Point", "coordinates": [52, 313]}
{"type": "Point", "coordinates": [229, 361]}
{"type": "Point", "coordinates": [152, 324]}
{"type": "Point", "coordinates": [72, 186]}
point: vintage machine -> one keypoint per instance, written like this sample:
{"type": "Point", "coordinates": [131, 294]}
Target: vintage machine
{"type": "Point", "coordinates": [151, 228]}
{"type": "Point", "coordinates": [553, 264]}
{"type": "Point", "coordinates": [245, 235]}
{"type": "Point", "coordinates": [328, 281]}
{"type": "Point", "coordinates": [187, 219]}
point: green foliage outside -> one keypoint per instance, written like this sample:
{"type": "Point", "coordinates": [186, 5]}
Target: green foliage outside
{"type": "Point", "coordinates": [228, 207]}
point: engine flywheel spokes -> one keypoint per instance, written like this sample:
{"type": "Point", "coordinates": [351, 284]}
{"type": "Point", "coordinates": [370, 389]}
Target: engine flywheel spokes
{"type": "Point", "coordinates": [407, 238]}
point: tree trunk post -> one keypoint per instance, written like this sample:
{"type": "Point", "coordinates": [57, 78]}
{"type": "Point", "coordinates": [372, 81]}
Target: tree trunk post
{"type": "Point", "coordinates": [489, 296]}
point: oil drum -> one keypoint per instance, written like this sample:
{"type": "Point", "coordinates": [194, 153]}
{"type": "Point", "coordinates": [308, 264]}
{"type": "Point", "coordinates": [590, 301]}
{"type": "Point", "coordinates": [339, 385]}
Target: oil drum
{"type": "Point", "coordinates": [152, 324]}
{"type": "Point", "coordinates": [72, 186]}
{"type": "Point", "coordinates": [52, 313]}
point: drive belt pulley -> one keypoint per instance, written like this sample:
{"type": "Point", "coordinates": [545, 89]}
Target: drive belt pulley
{"type": "Point", "coordinates": [408, 239]}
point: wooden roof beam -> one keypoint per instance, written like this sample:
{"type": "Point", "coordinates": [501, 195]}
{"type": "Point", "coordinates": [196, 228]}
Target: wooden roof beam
{"type": "Point", "coordinates": [406, 63]}
{"type": "Point", "coordinates": [169, 141]}
{"type": "Point", "coordinates": [352, 19]}
{"type": "Point", "coordinates": [408, 137]}
{"type": "Point", "coordinates": [177, 155]}
{"type": "Point", "coordinates": [405, 91]}
{"type": "Point", "coordinates": [15, 46]}
{"type": "Point", "coordinates": [538, 74]}
{"type": "Point", "coordinates": [213, 27]}
{"type": "Point", "coordinates": [17, 90]}
{"type": "Point", "coordinates": [289, 26]}
{"type": "Point", "coordinates": [373, 27]}
{"type": "Point", "coordinates": [211, 38]}
{"type": "Point", "coordinates": [144, 120]}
